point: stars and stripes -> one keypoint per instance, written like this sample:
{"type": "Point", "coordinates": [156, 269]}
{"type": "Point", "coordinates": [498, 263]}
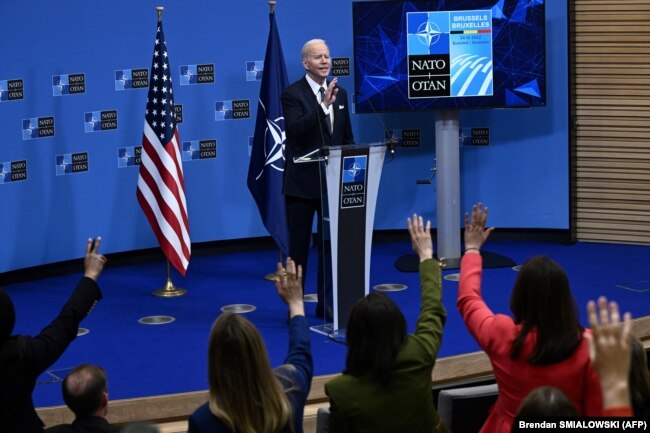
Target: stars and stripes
{"type": "Point", "coordinates": [161, 188]}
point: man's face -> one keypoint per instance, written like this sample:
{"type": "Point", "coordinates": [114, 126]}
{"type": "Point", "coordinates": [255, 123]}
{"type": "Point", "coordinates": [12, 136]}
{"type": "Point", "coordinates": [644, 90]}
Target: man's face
{"type": "Point", "coordinates": [318, 63]}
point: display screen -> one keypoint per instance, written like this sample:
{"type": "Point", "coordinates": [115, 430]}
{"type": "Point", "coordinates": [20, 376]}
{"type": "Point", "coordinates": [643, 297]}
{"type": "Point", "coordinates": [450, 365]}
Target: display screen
{"type": "Point", "coordinates": [442, 54]}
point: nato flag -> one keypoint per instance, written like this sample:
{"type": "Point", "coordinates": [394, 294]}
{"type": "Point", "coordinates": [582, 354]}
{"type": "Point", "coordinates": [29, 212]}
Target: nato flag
{"type": "Point", "coordinates": [266, 169]}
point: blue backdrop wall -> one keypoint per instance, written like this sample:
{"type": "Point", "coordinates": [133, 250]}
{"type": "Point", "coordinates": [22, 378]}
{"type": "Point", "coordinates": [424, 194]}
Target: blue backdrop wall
{"type": "Point", "coordinates": [47, 214]}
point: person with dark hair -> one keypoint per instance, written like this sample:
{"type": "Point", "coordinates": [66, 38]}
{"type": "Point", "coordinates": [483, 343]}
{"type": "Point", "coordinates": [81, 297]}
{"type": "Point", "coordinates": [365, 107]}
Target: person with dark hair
{"type": "Point", "coordinates": [86, 394]}
{"type": "Point", "coordinates": [24, 358]}
{"type": "Point", "coordinates": [316, 115]}
{"type": "Point", "coordinates": [546, 401]}
{"type": "Point", "coordinates": [386, 384]}
{"type": "Point", "coordinates": [246, 395]}
{"type": "Point", "coordinates": [639, 379]}
{"type": "Point", "coordinates": [542, 344]}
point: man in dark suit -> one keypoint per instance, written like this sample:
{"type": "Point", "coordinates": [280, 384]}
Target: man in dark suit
{"type": "Point", "coordinates": [85, 393]}
{"type": "Point", "coordinates": [316, 116]}
{"type": "Point", "coordinates": [24, 358]}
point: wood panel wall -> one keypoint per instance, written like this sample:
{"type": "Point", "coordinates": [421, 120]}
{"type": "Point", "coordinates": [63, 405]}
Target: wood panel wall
{"type": "Point", "coordinates": [610, 95]}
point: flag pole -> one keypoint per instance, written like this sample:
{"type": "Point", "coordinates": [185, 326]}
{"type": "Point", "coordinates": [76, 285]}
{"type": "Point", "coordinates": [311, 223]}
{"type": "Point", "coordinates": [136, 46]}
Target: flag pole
{"type": "Point", "coordinates": [273, 276]}
{"type": "Point", "coordinates": [169, 289]}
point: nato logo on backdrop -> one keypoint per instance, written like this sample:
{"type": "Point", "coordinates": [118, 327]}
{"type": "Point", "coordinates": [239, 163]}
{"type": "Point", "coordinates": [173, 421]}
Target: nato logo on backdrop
{"type": "Point", "coordinates": [126, 79]}
{"type": "Point", "coordinates": [404, 137]}
{"type": "Point", "coordinates": [353, 181]}
{"type": "Point", "coordinates": [178, 112]}
{"type": "Point", "coordinates": [38, 127]}
{"type": "Point", "coordinates": [340, 66]}
{"type": "Point", "coordinates": [196, 74]}
{"type": "Point", "coordinates": [199, 149]}
{"type": "Point", "coordinates": [235, 109]}
{"type": "Point", "coordinates": [68, 84]}
{"type": "Point", "coordinates": [71, 163]}
{"type": "Point", "coordinates": [100, 120]}
{"type": "Point", "coordinates": [11, 90]}
{"type": "Point", "coordinates": [128, 156]}
{"type": "Point", "coordinates": [13, 171]}
{"type": "Point", "coordinates": [254, 70]}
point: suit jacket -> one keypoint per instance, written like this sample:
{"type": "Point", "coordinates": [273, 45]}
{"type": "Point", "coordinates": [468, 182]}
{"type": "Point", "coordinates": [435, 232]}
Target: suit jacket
{"type": "Point", "coordinates": [495, 334]}
{"type": "Point", "coordinates": [295, 376]}
{"type": "Point", "coordinates": [306, 130]}
{"type": "Point", "coordinates": [362, 405]}
{"type": "Point", "coordinates": [87, 424]}
{"type": "Point", "coordinates": [24, 358]}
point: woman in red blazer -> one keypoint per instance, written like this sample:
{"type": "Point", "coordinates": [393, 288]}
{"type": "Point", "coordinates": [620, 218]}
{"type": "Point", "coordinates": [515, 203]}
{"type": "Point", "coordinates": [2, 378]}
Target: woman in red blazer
{"type": "Point", "coordinates": [542, 344]}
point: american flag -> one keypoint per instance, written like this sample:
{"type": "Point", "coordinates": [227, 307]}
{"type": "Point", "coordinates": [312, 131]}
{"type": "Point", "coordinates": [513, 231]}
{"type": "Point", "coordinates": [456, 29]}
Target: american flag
{"type": "Point", "coordinates": [161, 188]}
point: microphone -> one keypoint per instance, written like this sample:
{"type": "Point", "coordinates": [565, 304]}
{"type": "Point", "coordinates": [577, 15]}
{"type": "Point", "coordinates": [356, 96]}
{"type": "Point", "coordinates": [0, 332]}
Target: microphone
{"type": "Point", "coordinates": [391, 142]}
{"type": "Point", "coordinates": [325, 151]}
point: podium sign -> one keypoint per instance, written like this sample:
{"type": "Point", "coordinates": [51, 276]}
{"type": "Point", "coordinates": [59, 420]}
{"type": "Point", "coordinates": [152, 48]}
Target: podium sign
{"type": "Point", "coordinates": [350, 182]}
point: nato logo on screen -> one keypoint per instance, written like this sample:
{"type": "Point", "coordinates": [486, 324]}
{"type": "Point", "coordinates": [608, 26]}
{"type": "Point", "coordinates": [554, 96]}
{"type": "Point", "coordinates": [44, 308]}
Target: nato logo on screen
{"type": "Point", "coordinates": [11, 90]}
{"type": "Point", "coordinates": [353, 181]}
{"type": "Point", "coordinates": [126, 79]}
{"type": "Point", "coordinates": [235, 109]}
{"type": "Point", "coordinates": [68, 84]}
{"type": "Point", "coordinates": [71, 163]}
{"type": "Point", "coordinates": [449, 54]}
{"type": "Point", "coordinates": [196, 74]}
{"type": "Point", "coordinates": [129, 156]}
{"type": "Point", "coordinates": [100, 120]}
{"type": "Point", "coordinates": [38, 127]}
{"type": "Point", "coordinates": [254, 70]}
{"type": "Point", "coordinates": [199, 149]}
{"type": "Point", "coordinates": [13, 171]}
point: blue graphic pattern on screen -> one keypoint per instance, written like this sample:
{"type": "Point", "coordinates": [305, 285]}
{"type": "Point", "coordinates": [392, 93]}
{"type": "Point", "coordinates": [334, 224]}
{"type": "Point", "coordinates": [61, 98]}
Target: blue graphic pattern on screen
{"type": "Point", "coordinates": [502, 63]}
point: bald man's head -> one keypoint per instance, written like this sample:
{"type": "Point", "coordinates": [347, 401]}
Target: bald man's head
{"type": "Point", "coordinates": [85, 392]}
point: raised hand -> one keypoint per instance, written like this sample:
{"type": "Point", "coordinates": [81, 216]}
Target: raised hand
{"type": "Point", "coordinates": [420, 237]}
{"type": "Point", "coordinates": [93, 261]}
{"type": "Point", "coordinates": [475, 232]}
{"type": "Point", "coordinates": [610, 350]}
{"type": "Point", "coordinates": [289, 287]}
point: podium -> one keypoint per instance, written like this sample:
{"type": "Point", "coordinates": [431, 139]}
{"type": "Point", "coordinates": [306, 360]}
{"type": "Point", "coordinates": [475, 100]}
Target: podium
{"type": "Point", "coordinates": [350, 178]}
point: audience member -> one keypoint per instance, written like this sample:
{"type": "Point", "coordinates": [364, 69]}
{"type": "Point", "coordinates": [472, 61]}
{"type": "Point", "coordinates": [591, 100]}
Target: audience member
{"type": "Point", "coordinates": [541, 345]}
{"type": "Point", "coordinates": [386, 384]}
{"type": "Point", "coordinates": [639, 379]}
{"type": "Point", "coordinates": [546, 401]}
{"type": "Point", "coordinates": [611, 354]}
{"type": "Point", "coordinates": [245, 395]}
{"type": "Point", "coordinates": [24, 358]}
{"type": "Point", "coordinates": [85, 393]}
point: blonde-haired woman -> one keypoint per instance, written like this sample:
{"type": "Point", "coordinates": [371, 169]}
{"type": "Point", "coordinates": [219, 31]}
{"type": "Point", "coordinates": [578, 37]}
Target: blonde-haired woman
{"type": "Point", "coordinates": [246, 395]}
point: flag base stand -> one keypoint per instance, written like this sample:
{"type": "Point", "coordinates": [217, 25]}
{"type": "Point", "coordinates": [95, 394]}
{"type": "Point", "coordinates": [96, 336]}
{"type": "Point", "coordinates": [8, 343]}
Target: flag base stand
{"type": "Point", "coordinates": [272, 277]}
{"type": "Point", "coordinates": [169, 290]}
